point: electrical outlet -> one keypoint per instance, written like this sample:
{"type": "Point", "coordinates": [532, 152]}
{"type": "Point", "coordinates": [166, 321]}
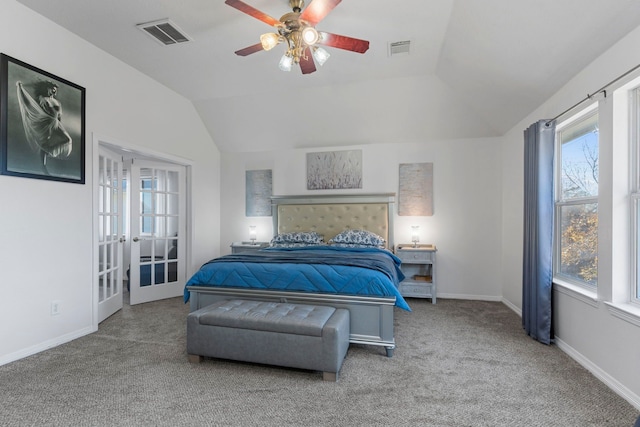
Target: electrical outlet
{"type": "Point", "coordinates": [55, 308]}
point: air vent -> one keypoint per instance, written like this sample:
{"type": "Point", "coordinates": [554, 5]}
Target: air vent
{"type": "Point", "coordinates": [165, 32]}
{"type": "Point", "coordinates": [399, 48]}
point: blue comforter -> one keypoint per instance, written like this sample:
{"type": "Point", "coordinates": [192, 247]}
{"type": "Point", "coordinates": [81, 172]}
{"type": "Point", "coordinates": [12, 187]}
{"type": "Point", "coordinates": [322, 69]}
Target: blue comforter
{"type": "Point", "coordinates": [320, 269]}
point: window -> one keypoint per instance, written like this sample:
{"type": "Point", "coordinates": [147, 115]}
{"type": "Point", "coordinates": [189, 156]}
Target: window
{"type": "Point", "coordinates": [635, 193]}
{"type": "Point", "coordinates": [576, 207]}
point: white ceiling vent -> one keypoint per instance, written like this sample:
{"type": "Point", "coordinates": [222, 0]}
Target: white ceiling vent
{"type": "Point", "coordinates": [165, 32]}
{"type": "Point", "coordinates": [399, 48]}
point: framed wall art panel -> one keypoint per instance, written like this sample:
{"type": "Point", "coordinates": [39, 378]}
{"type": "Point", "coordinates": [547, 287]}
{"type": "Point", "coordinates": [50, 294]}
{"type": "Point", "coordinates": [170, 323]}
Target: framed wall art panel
{"type": "Point", "coordinates": [258, 192]}
{"type": "Point", "coordinates": [42, 124]}
{"type": "Point", "coordinates": [334, 170]}
{"type": "Point", "coordinates": [415, 195]}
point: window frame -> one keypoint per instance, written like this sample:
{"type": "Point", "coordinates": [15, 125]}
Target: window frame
{"type": "Point", "coordinates": [634, 196]}
{"type": "Point", "coordinates": [560, 203]}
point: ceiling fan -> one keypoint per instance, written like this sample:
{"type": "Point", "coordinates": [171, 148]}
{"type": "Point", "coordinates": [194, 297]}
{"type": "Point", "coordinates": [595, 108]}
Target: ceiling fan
{"type": "Point", "coordinates": [297, 30]}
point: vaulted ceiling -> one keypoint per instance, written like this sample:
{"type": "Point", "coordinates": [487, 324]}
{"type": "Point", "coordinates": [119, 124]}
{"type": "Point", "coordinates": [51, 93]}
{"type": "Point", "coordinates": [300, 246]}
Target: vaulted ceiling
{"type": "Point", "coordinates": [475, 67]}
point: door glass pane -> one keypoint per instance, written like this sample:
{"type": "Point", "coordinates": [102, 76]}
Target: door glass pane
{"type": "Point", "coordinates": [172, 204]}
{"type": "Point", "coordinates": [161, 179]}
{"type": "Point", "coordinates": [159, 273]}
{"type": "Point", "coordinates": [101, 258]}
{"type": "Point", "coordinates": [101, 199]}
{"type": "Point", "coordinates": [161, 248]}
{"type": "Point", "coordinates": [116, 252]}
{"type": "Point", "coordinates": [173, 248]}
{"type": "Point", "coordinates": [579, 242]}
{"type": "Point", "coordinates": [173, 271]}
{"type": "Point", "coordinates": [146, 206]}
{"type": "Point", "coordinates": [146, 249]}
{"type": "Point", "coordinates": [114, 226]}
{"type": "Point", "coordinates": [146, 178]}
{"type": "Point", "coordinates": [109, 255]}
{"type": "Point", "coordinates": [108, 171]}
{"type": "Point", "coordinates": [101, 287]}
{"type": "Point", "coordinates": [146, 225]}
{"type": "Point", "coordinates": [101, 228]}
{"type": "Point", "coordinates": [172, 226]}
{"type": "Point", "coordinates": [114, 200]}
{"type": "Point", "coordinates": [172, 182]}
{"type": "Point", "coordinates": [108, 232]}
{"type": "Point", "coordinates": [101, 166]}
{"type": "Point", "coordinates": [161, 203]}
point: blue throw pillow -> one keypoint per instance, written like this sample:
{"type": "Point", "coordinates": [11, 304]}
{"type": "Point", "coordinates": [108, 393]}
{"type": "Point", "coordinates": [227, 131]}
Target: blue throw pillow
{"type": "Point", "coordinates": [358, 237]}
{"type": "Point", "coordinates": [308, 237]}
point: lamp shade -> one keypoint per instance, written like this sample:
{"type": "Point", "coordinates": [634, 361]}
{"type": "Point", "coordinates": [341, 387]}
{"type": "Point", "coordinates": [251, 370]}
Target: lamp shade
{"type": "Point", "coordinates": [415, 236]}
{"type": "Point", "coordinates": [269, 40]}
{"type": "Point", "coordinates": [320, 55]}
{"type": "Point", "coordinates": [310, 36]}
{"type": "Point", "coordinates": [286, 62]}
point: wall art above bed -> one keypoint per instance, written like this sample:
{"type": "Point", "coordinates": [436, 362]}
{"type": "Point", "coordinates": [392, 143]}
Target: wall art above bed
{"type": "Point", "coordinates": [42, 122]}
{"type": "Point", "coordinates": [415, 195]}
{"type": "Point", "coordinates": [334, 170]}
{"type": "Point", "coordinates": [258, 192]}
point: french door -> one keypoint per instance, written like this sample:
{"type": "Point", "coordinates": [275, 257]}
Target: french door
{"type": "Point", "coordinates": [110, 233]}
{"type": "Point", "coordinates": [157, 230]}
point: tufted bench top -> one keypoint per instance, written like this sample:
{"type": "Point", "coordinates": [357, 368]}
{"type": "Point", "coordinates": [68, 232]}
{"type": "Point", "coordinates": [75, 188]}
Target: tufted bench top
{"type": "Point", "coordinates": [298, 319]}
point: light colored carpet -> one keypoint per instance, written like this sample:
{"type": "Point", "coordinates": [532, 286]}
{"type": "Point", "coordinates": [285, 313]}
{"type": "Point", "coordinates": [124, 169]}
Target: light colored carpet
{"type": "Point", "coordinates": [458, 363]}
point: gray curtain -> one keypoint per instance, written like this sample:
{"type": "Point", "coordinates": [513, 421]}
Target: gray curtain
{"type": "Point", "coordinates": [537, 266]}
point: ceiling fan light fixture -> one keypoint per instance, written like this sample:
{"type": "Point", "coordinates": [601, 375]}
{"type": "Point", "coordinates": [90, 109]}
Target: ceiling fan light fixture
{"type": "Point", "coordinates": [286, 62]}
{"type": "Point", "coordinates": [270, 40]}
{"type": "Point", "coordinates": [310, 36]}
{"type": "Point", "coordinates": [297, 31]}
{"type": "Point", "coordinates": [320, 55]}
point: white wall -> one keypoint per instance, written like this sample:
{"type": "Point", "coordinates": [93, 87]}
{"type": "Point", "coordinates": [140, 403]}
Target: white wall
{"type": "Point", "coordinates": [586, 329]}
{"type": "Point", "coordinates": [465, 226]}
{"type": "Point", "coordinates": [47, 226]}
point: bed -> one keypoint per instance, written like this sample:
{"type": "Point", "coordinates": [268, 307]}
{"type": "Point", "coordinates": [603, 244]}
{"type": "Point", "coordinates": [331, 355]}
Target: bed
{"type": "Point", "coordinates": [371, 296]}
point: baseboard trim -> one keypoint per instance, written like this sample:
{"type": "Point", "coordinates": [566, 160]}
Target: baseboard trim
{"type": "Point", "coordinates": [30, 351]}
{"type": "Point", "coordinates": [607, 379]}
{"type": "Point", "coordinates": [470, 297]}
{"type": "Point", "coordinates": [513, 307]}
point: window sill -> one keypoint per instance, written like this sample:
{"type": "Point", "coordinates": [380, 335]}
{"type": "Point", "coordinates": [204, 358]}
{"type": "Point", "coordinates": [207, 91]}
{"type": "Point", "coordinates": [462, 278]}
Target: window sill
{"type": "Point", "coordinates": [625, 311]}
{"type": "Point", "coordinates": [577, 292]}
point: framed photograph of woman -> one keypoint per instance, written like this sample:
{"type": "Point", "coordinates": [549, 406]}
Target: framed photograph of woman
{"type": "Point", "coordinates": [42, 124]}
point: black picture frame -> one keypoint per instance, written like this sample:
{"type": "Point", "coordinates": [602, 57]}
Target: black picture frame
{"type": "Point", "coordinates": [42, 124]}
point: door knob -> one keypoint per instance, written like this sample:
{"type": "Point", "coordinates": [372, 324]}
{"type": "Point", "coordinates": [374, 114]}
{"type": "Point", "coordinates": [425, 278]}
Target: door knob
{"type": "Point", "coordinates": [135, 239]}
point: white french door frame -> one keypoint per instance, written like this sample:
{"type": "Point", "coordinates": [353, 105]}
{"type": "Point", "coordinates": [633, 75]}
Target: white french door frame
{"type": "Point", "coordinates": [129, 151]}
{"type": "Point", "coordinates": [110, 233]}
{"type": "Point", "coordinates": [159, 228]}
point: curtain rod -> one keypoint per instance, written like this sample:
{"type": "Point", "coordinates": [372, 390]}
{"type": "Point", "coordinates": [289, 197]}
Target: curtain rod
{"type": "Point", "coordinates": [603, 89]}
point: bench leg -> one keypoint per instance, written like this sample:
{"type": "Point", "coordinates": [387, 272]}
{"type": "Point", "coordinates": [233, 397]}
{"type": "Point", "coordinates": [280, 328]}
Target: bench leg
{"type": "Point", "coordinates": [194, 358]}
{"type": "Point", "coordinates": [330, 376]}
{"type": "Point", "coordinates": [389, 351]}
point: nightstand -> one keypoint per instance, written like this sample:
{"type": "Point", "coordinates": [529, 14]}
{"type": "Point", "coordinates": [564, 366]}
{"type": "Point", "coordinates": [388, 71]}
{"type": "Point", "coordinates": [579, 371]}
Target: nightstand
{"type": "Point", "coordinates": [419, 267]}
{"type": "Point", "coordinates": [237, 247]}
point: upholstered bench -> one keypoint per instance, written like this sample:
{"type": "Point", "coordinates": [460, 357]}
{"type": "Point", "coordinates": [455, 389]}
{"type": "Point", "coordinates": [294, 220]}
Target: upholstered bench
{"type": "Point", "coordinates": [290, 335]}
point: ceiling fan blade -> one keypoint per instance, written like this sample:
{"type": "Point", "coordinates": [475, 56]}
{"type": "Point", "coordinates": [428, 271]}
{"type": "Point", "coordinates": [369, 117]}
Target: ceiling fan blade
{"type": "Point", "coordinates": [252, 11]}
{"type": "Point", "coordinates": [317, 10]}
{"type": "Point", "coordinates": [249, 50]}
{"type": "Point", "coordinates": [307, 66]}
{"type": "Point", "coordinates": [343, 42]}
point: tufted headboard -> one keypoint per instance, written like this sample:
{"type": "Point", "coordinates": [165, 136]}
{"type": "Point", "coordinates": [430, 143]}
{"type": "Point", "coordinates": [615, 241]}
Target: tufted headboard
{"type": "Point", "coordinates": [328, 215]}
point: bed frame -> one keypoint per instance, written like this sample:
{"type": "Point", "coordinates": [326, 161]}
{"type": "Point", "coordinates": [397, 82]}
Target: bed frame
{"type": "Point", "coordinates": [371, 317]}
